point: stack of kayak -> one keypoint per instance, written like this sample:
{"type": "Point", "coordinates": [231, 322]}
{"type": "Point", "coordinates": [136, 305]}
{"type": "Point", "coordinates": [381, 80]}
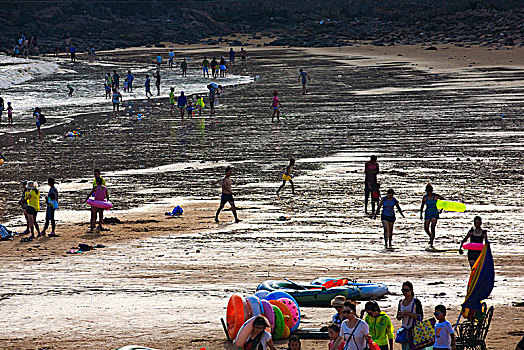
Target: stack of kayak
{"type": "Point", "coordinates": [280, 309]}
{"type": "Point", "coordinates": [321, 291]}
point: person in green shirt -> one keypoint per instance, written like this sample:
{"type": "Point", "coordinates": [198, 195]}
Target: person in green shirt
{"type": "Point", "coordinates": [205, 67]}
{"type": "Point", "coordinates": [380, 326]}
{"type": "Point", "coordinates": [172, 99]}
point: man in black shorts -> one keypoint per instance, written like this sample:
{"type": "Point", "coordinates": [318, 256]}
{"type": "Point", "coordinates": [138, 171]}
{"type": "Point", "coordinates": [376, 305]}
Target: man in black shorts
{"type": "Point", "coordinates": [227, 195]}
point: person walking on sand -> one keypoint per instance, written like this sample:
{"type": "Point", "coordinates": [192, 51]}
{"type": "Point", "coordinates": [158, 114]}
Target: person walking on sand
{"type": "Point", "coordinates": [354, 331]}
{"type": "Point", "coordinates": [475, 235]}
{"type": "Point", "coordinates": [304, 77]}
{"type": "Point", "coordinates": [157, 82]}
{"type": "Point", "coordinates": [172, 100]}
{"type": "Point", "coordinates": [227, 195]}
{"type": "Point", "coordinates": [287, 176]}
{"type": "Point", "coordinates": [444, 332]}
{"type": "Point", "coordinates": [2, 108]}
{"type": "Point", "coordinates": [275, 106]}
{"type": "Point", "coordinates": [388, 216]}
{"type": "Point", "coordinates": [205, 67]}
{"type": "Point", "coordinates": [147, 85]}
{"type": "Point", "coordinates": [371, 170]}
{"type": "Point", "coordinates": [431, 214]}
{"type": "Point", "coordinates": [32, 197]}
{"type": "Point", "coordinates": [109, 80]}
{"type": "Point", "coordinates": [183, 66]}
{"type": "Point", "coordinates": [380, 326]}
{"type": "Point", "coordinates": [182, 103]}
{"type": "Point", "coordinates": [40, 120]}
{"type": "Point", "coordinates": [51, 201]}
{"type": "Point", "coordinates": [409, 312]}
{"type": "Point", "coordinates": [101, 194]}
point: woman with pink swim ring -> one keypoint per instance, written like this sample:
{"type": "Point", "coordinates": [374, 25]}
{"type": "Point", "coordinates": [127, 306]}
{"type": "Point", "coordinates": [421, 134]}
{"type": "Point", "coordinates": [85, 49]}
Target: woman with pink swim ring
{"type": "Point", "coordinates": [476, 235]}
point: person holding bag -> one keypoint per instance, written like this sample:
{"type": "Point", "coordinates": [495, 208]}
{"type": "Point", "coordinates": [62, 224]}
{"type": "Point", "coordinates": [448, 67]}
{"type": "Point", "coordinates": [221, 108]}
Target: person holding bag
{"type": "Point", "coordinates": [409, 312]}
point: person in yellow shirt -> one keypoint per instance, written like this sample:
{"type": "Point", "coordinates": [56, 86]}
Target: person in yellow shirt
{"type": "Point", "coordinates": [32, 197]}
{"type": "Point", "coordinates": [380, 326]}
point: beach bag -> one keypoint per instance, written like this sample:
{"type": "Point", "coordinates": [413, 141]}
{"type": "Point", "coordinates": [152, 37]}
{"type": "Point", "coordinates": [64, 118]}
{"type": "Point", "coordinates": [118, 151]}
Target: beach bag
{"type": "Point", "coordinates": [5, 234]}
{"type": "Point", "coordinates": [402, 332]}
{"type": "Point", "coordinates": [424, 334]}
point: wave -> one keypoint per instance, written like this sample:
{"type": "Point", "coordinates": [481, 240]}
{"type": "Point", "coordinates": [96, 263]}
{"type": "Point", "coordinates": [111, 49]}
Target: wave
{"type": "Point", "coordinates": [15, 70]}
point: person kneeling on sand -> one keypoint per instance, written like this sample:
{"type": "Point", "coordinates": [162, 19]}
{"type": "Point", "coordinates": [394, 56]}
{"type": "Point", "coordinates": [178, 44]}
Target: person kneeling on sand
{"type": "Point", "coordinates": [227, 195]}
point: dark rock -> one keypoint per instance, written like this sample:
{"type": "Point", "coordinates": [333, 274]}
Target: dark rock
{"type": "Point", "coordinates": [431, 48]}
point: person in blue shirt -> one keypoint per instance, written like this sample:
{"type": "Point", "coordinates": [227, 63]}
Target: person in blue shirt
{"type": "Point", "coordinates": [431, 214]}
{"type": "Point", "coordinates": [73, 53]}
{"type": "Point", "coordinates": [130, 79]}
{"type": "Point", "coordinates": [148, 86]}
{"type": "Point", "coordinates": [182, 103]}
{"type": "Point", "coordinates": [388, 215]}
{"type": "Point", "coordinates": [171, 59]}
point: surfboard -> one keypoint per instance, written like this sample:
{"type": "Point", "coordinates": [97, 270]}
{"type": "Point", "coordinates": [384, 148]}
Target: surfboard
{"type": "Point", "coordinates": [451, 206]}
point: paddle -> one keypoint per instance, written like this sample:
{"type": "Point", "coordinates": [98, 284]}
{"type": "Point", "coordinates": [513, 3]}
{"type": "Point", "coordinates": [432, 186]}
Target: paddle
{"type": "Point", "coordinates": [295, 284]}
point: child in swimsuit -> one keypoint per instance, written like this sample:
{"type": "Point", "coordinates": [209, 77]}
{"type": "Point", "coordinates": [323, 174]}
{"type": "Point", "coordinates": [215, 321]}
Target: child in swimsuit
{"type": "Point", "coordinates": [287, 176]}
{"type": "Point", "coordinates": [101, 194]}
{"type": "Point", "coordinates": [126, 85]}
{"type": "Point", "coordinates": [275, 107]}
{"type": "Point", "coordinates": [9, 113]}
{"type": "Point", "coordinates": [375, 195]}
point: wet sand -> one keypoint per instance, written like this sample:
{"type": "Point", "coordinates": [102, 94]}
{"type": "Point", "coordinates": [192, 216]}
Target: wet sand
{"type": "Point", "coordinates": [164, 283]}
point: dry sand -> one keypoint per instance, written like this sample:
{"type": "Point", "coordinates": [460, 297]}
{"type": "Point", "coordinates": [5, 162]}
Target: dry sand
{"type": "Point", "coordinates": [164, 283]}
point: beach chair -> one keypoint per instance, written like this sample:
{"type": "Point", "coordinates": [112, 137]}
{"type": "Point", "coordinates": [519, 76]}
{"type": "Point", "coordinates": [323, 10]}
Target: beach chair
{"type": "Point", "coordinates": [471, 333]}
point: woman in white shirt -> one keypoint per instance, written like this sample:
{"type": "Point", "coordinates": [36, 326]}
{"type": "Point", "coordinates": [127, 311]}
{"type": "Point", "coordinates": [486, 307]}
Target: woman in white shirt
{"type": "Point", "coordinates": [353, 330]}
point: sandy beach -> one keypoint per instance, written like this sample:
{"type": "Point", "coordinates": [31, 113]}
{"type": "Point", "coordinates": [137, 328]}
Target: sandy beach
{"type": "Point", "coordinates": [451, 116]}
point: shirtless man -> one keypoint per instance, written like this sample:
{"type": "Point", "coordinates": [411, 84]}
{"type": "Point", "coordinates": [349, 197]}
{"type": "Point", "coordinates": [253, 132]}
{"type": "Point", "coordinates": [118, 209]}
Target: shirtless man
{"type": "Point", "coordinates": [227, 195]}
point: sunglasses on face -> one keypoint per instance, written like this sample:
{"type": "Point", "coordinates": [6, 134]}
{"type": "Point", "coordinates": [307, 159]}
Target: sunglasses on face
{"type": "Point", "coordinates": [347, 311]}
{"type": "Point", "coordinates": [405, 290]}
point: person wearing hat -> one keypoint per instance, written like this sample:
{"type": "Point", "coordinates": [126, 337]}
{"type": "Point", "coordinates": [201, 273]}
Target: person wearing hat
{"type": "Point", "coordinates": [388, 215]}
{"type": "Point", "coordinates": [338, 303]}
{"type": "Point", "coordinates": [23, 204]}
{"type": "Point", "coordinates": [32, 197]}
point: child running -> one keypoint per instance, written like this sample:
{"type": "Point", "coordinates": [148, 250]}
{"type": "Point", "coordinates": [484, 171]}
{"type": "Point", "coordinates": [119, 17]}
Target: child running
{"type": "Point", "coordinates": [101, 194]}
{"type": "Point", "coordinates": [51, 201]}
{"type": "Point", "coordinates": [287, 176]}
{"type": "Point", "coordinates": [444, 333]}
{"type": "Point", "coordinates": [275, 107]}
